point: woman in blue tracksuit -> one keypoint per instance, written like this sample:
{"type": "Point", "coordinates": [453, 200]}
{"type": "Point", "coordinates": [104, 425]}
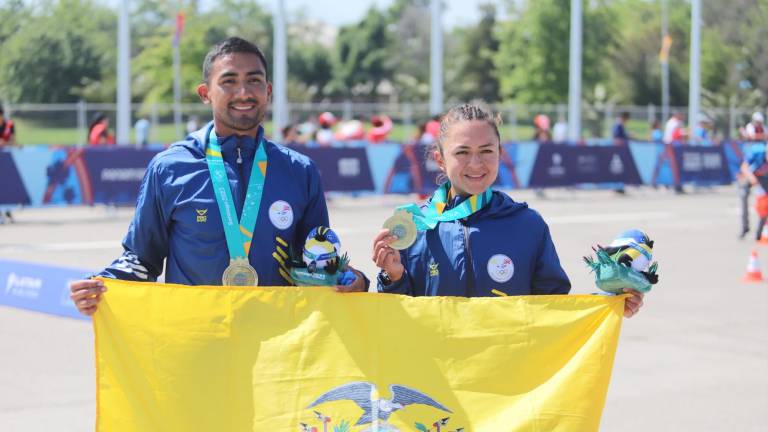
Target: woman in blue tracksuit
{"type": "Point", "coordinates": [474, 242]}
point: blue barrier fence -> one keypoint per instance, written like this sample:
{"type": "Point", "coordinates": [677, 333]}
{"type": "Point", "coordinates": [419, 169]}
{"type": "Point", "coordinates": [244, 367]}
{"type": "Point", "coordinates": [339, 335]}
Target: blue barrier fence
{"type": "Point", "coordinates": [41, 175]}
{"type": "Point", "coordinates": [41, 288]}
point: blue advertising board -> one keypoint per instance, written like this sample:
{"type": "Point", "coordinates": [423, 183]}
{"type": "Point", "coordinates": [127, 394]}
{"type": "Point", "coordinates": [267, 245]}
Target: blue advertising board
{"type": "Point", "coordinates": [38, 287]}
{"type": "Point", "coordinates": [559, 165]}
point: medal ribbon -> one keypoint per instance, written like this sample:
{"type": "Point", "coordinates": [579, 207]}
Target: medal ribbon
{"type": "Point", "coordinates": [238, 233]}
{"type": "Point", "coordinates": [428, 217]}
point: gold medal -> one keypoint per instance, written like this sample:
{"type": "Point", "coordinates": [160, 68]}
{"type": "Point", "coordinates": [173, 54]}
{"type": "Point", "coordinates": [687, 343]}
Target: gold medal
{"type": "Point", "coordinates": [240, 273]}
{"type": "Point", "coordinates": [401, 225]}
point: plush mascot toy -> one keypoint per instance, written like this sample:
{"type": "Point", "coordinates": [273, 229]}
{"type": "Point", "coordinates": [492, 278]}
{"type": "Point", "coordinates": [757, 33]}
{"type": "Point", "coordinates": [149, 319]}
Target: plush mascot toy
{"type": "Point", "coordinates": [625, 263]}
{"type": "Point", "coordinates": [321, 262]}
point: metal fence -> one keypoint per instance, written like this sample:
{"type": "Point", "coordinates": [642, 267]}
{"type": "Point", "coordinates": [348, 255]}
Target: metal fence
{"type": "Point", "coordinates": [68, 123]}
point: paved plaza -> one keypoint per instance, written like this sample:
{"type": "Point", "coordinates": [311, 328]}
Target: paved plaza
{"type": "Point", "coordinates": [694, 359]}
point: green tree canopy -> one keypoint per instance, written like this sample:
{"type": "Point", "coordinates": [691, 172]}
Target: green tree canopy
{"type": "Point", "coordinates": [62, 51]}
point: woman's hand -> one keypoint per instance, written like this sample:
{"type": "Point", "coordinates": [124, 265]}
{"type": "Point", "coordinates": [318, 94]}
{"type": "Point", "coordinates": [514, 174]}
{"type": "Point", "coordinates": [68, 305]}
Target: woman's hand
{"type": "Point", "coordinates": [633, 303]}
{"type": "Point", "coordinates": [385, 257]}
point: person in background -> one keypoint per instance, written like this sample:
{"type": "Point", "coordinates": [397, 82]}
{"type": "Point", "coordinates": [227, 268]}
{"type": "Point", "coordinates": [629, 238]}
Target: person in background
{"type": "Point", "coordinates": [541, 129]}
{"type": "Point", "coordinates": [98, 131]}
{"type": "Point", "coordinates": [141, 128]}
{"type": "Point", "coordinates": [7, 140]}
{"type": "Point", "coordinates": [324, 135]}
{"type": "Point", "coordinates": [755, 129]}
{"type": "Point", "coordinates": [381, 126]}
{"type": "Point", "coordinates": [7, 131]}
{"type": "Point", "coordinates": [431, 130]}
{"type": "Point", "coordinates": [754, 169]}
{"type": "Point", "coordinates": [290, 136]}
{"type": "Point", "coordinates": [674, 130]}
{"type": "Point", "coordinates": [657, 135]}
{"type": "Point", "coordinates": [754, 133]}
{"type": "Point", "coordinates": [350, 130]}
{"type": "Point", "coordinates": [620, 134]}
{"type": "Point", "coordinates": [701, 133]}
{"type": "Point", "coordinates": [193, 124]}
{"type": "Point", "coordinates": [560, 131]}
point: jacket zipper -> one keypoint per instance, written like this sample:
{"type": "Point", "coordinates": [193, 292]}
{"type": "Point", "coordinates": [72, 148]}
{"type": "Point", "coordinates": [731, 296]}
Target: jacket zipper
{"type": "Point", "coordinates": [470, 266]}
{"type": "Point", "coordinates": [240, 172]}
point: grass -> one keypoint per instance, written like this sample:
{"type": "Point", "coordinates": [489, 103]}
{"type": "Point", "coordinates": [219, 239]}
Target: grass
{"type": "Point", "coordinates": [31, 133]}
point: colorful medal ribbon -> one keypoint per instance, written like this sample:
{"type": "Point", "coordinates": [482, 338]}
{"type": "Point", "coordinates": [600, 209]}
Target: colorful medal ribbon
{"type": "Point", "coordinates": [428, 217]}
{"type": "Point", "coordinates": [238, 233]}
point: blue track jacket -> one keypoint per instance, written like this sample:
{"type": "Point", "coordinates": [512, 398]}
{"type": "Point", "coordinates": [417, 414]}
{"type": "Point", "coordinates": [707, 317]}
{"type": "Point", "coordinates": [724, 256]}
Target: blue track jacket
{"type": "Point", "coordinates": [177, 218]}
{"type": "Point", "coordinates": [502, 249]}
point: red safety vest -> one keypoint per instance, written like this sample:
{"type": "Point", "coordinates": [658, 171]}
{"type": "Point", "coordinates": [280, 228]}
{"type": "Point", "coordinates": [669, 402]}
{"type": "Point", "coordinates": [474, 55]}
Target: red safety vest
{"type": "Point", "coordinates": [6, 135]}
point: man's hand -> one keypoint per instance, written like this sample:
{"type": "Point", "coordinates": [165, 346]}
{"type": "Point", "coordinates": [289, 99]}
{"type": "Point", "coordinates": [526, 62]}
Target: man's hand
{"type": "Point", "coordinates": [357, 286]}
{"type": "Point", "coordinates": [86, 294]}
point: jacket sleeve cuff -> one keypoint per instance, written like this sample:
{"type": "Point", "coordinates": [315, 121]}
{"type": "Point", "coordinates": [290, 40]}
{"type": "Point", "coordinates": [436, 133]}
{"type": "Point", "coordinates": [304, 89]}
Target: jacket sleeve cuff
{"type": "Point", "coordinates": [385, 285]}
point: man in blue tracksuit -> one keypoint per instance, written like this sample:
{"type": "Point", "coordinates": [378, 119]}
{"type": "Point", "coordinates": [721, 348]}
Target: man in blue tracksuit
{"type": "Point", "coordinates": [502, 249]}
{"type": "Point", "coordinates": [178, 217]}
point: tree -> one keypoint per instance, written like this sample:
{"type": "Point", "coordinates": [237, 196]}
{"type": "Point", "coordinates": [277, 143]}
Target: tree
{"type": "Point", "coordinates": [635, 65]}
{"type": "Point", "coordinates": [361, 56]}
{"type": "Point", "coordinates": [532, 61]}
{"type": "Point", "coordinates": [62, 52]}
{"type": "Point", "coordinates": [153, 66]}
{"type": "Point", "coordinates": [408, 53]}
{"type": "Point", "coordinates": [473, 75]}
{"type": "Point", "coordinates": [310, 63]}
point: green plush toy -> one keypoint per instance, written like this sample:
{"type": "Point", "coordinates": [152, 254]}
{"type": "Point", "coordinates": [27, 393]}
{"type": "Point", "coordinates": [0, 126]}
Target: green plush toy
{"type": "Point", "coordinates": [625, 263]}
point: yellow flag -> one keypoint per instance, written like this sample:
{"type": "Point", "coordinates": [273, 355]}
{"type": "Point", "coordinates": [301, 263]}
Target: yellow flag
{"type": "Point", "coordinates": [180, 358]}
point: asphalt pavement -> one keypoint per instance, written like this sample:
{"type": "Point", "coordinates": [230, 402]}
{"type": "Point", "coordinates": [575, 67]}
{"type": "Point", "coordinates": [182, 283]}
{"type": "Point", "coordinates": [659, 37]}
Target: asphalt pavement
{"type": "Point", "coordinates": [694, 359]}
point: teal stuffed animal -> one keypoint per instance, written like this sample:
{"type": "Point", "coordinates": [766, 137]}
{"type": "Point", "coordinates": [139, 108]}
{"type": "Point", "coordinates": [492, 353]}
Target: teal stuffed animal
{"type": "Point", "coordinates": [625, 263]}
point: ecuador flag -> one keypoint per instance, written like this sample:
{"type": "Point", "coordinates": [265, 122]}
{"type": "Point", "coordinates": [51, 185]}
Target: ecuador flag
{"type": "Point", "coordinates": [181, 358]}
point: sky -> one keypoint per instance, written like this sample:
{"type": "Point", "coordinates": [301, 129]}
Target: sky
{"type": "Point", "coordinates": [339, 12]}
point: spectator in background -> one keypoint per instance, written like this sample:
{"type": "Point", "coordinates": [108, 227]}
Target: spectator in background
{"type": "Point", "coordinates": [7, 131]}
{"type": "Point", "coordinates": [754, 170]}
{"type": "Point", "coordinates": [541, 129]}
{"type": "Point", "coordinates": [7, 139]}
{"type": "Point", "coordinates": [620, 134]}
{"type": "Point", "coordinates": [324, 135]}
{"type": "Point", "coordinates": [291, 136]}
{"type": "Point", "coordinates": [560, 131]}
{"type": "Point", "coordinates": [306, 130]}
{"type": "Point", "coordinates": [98, 131]}
{"type": "Point", "coordinates": [431, 130]}
{"type": "Point", "coordinates": [141, 128]}
{"type": "Point", "coordinates": [350, 130]}
{"type": "Point", "coordinates": [193, 124]}
{"type": "Point", "coordinates": [381, 126]}
{"type": "Point", "coordinates": [701, 133]}
{"type": "Point", "coordinates": [755, 129]}
{"type": "Point", "coordinates": [674, 131]}
{"type": "Point", "coordinates": [657, 135]}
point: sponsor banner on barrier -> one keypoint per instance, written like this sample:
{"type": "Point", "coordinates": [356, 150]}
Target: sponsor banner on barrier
{"type": "Point", "coordinates": [39, 176]}
{"type": "Point", "coordinates": [342, 169]}
{"type": "Point", "coordinates": [13, 190]}
{"type": "Point", "coordinates": [38, 287]}
{"type": "Point", "coordinates": [558, 165]}
{"type": "Point", "coordinates": [115, 174]}
{"type": "Point", "coordinates": [702, 165]}
{"type": "Point", "coordinates": [412, 171]}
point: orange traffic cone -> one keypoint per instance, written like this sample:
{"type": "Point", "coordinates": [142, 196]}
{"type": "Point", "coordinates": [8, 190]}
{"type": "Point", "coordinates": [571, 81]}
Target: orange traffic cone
{"type": "Point", "coordinates": [753, 269]}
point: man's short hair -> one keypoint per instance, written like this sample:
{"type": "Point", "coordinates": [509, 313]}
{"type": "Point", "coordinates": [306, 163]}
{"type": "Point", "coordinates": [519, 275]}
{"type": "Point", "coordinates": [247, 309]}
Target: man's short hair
{"type": "Point", "coordinates": [230, 46]}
